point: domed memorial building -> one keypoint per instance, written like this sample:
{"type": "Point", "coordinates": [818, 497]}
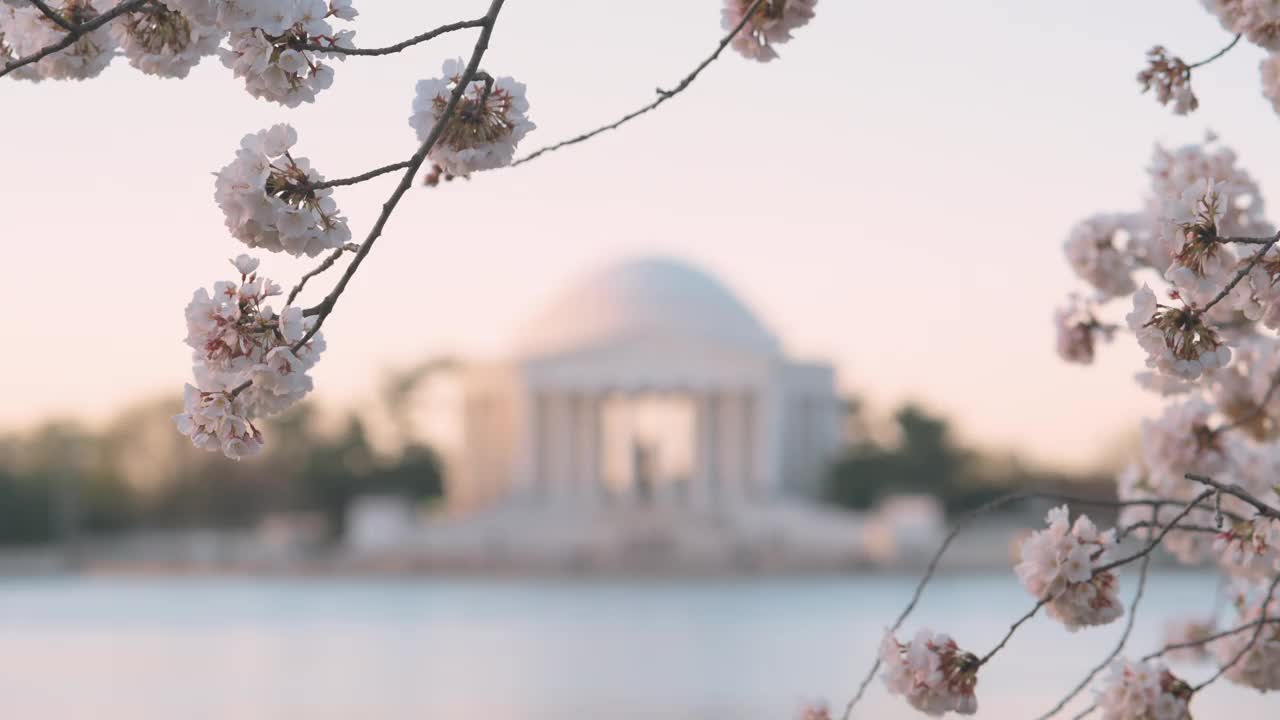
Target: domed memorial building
{"type": "Point", "coordinates": [645, 417]}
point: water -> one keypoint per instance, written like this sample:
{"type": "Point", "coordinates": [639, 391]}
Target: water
{"type": "Point", "coordinates": [137, 649]}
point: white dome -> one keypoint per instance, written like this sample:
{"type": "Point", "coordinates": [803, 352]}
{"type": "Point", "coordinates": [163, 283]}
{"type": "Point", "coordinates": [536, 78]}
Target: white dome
{"type": "Point", "coordinates": [644, 299]}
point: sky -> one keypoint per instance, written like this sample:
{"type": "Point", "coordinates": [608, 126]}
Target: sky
{"type": "Point", "coordinates": [891, 195]}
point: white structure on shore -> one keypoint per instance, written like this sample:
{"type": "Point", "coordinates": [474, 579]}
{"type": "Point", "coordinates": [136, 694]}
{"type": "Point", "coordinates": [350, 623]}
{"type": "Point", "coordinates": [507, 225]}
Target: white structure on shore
{"type": "Point", "coordinates": [646, 384]}
{"type": "Point", "coordinates": [646, 413]}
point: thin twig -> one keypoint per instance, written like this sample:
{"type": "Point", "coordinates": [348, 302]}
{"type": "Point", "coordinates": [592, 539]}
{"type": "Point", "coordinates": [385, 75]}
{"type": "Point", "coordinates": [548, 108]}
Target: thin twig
{"type": "Point", "coordinates": [70, 38]}
{"type": "Point", "coordinates": [928, 574]}
{"type": "Point", "coordinates": [1119, 648]}
{"type": "Point", "coordinates": [1257, 633]}
{"type": "Point", "coordinates": [328, 263]}
{"type": "Point", "coordinates": [54, 15]}
{"type": "Point", "coordinates": [1237, 491]}
{"type": "Point", "coordinates": [1210, 638]}
{"type": "Point", "coordinates": [1145, 551]}
{"type": "Point", "coordinates": [1126, 530]}
{"type": "Point", "coordinates": [1014, 628]}
{"type": "Point", "coordinates": [663, 95]}
{"type": "Point", "coordinates": [1216, 55]}
{"type": "Point", "coordinates": [323, 310]}
{"type": "Point", "coordinates": [416, 39]}
{"type": "Point", "coordinates": [1241, 274]}
{"type": "Point", "coordinates": [361, 177]}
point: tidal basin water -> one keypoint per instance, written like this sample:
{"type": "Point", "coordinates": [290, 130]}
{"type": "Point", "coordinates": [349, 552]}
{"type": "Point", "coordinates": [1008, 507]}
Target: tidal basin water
{"type": "Point", "coordinates": [250, 649]}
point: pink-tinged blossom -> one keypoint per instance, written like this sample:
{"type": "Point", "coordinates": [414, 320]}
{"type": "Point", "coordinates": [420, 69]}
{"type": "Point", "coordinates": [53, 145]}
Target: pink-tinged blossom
{"type": "Point", "coordinates": [1179, 178]}
{"type": "Point", "coordinates": [1257, 20]}
{"type": "Point", "coordinates": [931, 673]}
{"type": "Point", "coordinates": [486, 126]}
{"type": "Point", "coordinates": [214, 422]}
{"type": "Point", "coordinates": [1170, 77]}
{"type": "Point", "coordinates": [235, 338]}
{"type": "Point", "coordinates": [268, 202]}
{"type": "Point", "coordinates": [1259, 666]}
{"type": "Point", "coordinates": [1097, 250]}
{"type": "Point", "coordinates": [1078, 331]}
{"type": "Point", "coordinates": [1249, 548]}
{"type": "Point", "coordinates": [771, 25]}
{"type": "Point", "coordinates": [1060, 563]}
{"type": "Point", "coordinates": [1143, 691]}
{"type": "Point", "coordinates": [266, 47]}
{"type": "Point", "coordinates": [1191, 632]}
{"type": "Point", "coordinates": [1177, 339]}
{"type": "Point", "coordinates": [27, 30]}
{"type": "Point", "coordinates": [160, 39]}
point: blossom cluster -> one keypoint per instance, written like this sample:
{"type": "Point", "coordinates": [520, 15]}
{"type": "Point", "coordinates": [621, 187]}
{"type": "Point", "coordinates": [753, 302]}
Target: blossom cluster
{"type": "Point", "coordinates": [270, 46]}
{"type": "Point", "coordinates": [25, 30]}
{"type": "Point", "coordinates": [269, 200]}
{"type": "Point", "coordinates": [486, 126]}
{"type": "Point", "coordinates": [1192, 632]}
{"type": "Point", "coordinates": [1256, 661]}
{"type": "Point", "coordinates": [1143, 691]}
{"type": "Point", "coordinates": [1060, 564]}
{"type": "Point", "coordinates": [248, 360]}
{"type": "Point", "coordinates": [931, 673]}
{"type": "Point", "coordinates": [276, 46]}
{"type": "Point", "coordinates": [771, 24]}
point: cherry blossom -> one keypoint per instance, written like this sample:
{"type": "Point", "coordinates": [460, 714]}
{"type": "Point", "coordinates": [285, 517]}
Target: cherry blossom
{"type": "Point", "coordinates": [1257, 20]}
{"type": "Point", "coordinates": [1171, 79]}
{"type": "Point", "coordinates": [26, 31]}
{"type": "Point", "coordinates": [1060, 562]}
{"type": "Point", "coordinates": [771, 25]}
{"type": "Point", "coordinates": [1078, 330]}
{"type": "Point", "coordinates": [1190, 631]}
{"type": "Point", "coordinates": [1259, 666]}
{"type": "Point", "coordinates": [486, 127]}
{"type": "Point", "coordinates": [1143, 691]}
{"type": "Point", "coordinates": [237, 338]}
{"type": "Point", "coordinates": [267, 49]}
{"type": "Point", "coordinates": [1177, 339]}
{"type": "Point", "coordinates": [267, 199]}
{"type": "Point", "coordinates": [931, 672]}
{"type": "Point", "coordinates": [160, 39]}
{"type": "Point", "coordinates": [1095, 249]}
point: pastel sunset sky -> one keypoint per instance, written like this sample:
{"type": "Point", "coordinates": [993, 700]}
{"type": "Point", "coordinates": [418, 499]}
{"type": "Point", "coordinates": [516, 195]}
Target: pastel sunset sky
{"type": "Point", "coordinates": [892, 195]}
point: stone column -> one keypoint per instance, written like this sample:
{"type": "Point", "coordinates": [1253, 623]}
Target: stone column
{"type": "Point", "coordinates": [590, 487]}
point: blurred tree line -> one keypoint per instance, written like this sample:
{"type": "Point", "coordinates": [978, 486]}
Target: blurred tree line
{"type": "Point", "coordinates": [138, 473]}
{"type": "Point", "coordinates": [922, 457]}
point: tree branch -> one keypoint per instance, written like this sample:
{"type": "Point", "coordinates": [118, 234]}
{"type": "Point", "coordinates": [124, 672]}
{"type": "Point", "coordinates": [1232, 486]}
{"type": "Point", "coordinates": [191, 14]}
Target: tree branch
{"type": "Point", "coordinates": [72, 35]}
{"type": "Point", "coordinates": [361, 177]}
{"type": "Point", "coordinates": [663, 95]}
{"type": "Point", "coordinates": [431, 34]}
{"type": "Point", "coordinates": [1216, 55]}
{"type": "Point", "coordinates": [1124, 639]}
{"type": "Point", "coordinates": [328, 263]}
{"type": "Point", "coordinates": [1257, 633]}
{"type": "Point", "coordinates": [1241, 274]}
{"type": "Point", "coordinates": [1158, 538]}
{"type": "Point", "coordinates": [323, 310]}
{"type": "Point", "coordinates": [1237, 491]}
{"type": "Point", "coordinates": [54, 15]}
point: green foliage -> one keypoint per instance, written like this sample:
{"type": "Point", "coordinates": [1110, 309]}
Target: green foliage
{"type": "Point", "coordinates": [925, 460]}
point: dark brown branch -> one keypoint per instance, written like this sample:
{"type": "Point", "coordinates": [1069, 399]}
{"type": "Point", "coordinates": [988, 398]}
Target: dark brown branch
{"type": "Point", "coordinates": [362, 177]}
{"type": "Point", "coordinates": [415, 40]}
{"type": "Point", "coordinates": [325, 308]}
{"type": "Point", "coordinates": [328, 263]}
{"type": "Point", "coordinates": [54, 15]}
{"type": "Point", "coordinates": [1210, 638]}
{"type": "Point", "coordinates": [72, 35]}
{"type": "Point", "coordinates": [1014, 628]}
{"type": "Point", "coordinates": [1237, 491]}
{"type": "Point", "coordinates": [1115, 652]}
{"type": "Point", "coordinates": [663, 95]}
{"type": "Point", "coordinates": [1257, 633]}
{"type": "Point", "coordinates": [1155, 542]}
{"type": "Point", "coordinates": [1241, 274]}
{"type": "Point", "coordinates": [994, 505]}
{"type": "Point", "coordinates": [1216, 55]}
